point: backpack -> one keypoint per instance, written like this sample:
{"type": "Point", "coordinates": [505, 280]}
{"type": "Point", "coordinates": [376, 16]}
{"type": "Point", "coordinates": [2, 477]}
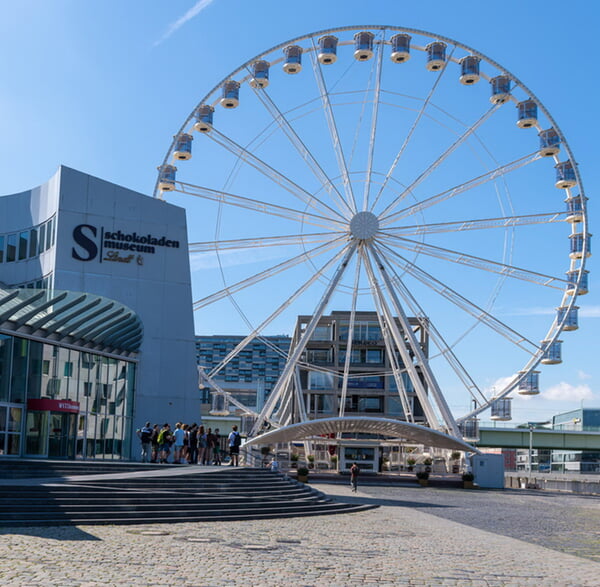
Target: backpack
{"type": "Point", "coordinates": [237, 439]}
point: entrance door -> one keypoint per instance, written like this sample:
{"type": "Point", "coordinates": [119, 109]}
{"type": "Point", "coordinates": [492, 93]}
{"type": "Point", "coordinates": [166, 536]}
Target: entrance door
{"type": "Point", "coordinates": [36, 434]}
{"type": "Point", "coordinates": [62, 435]}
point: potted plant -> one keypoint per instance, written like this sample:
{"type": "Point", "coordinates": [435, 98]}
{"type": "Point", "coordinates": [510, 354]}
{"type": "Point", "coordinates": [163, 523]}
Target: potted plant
{"type": "Point", "coordinates": [294, 460]}
{"type": "Point", "coordinates": [428, 462]}
{"type": "Point", "coordinates": [311, 461]}
{"type": "Point", "coordinates": [410, 462]}
{"type": "Point", "coordinates": [423, 478]}
{"type": "Point", "coordinates": [468, 480]}
{"type": "Point", "coordinates": [302, 474]}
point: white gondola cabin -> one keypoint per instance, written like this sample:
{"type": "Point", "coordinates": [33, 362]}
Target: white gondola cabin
{"type": "Point", "coordinates": [400, 48]}
{"type": "Point", "coordinates": [570, 317]}
{"type": "Point", "coordinates": [530, 384]}
{"type": "Point", "coordinates": [552, 352]}
{"type": "Point", "coordinates": [204, 118]}
{"type": "Point", "coordinates": [327, 50]}
{"type": "Point", "coordinates": [260, 74]}
{"type": "Point", "coordinates": [501, 410]}
{"type": "Point", "coordinates": [470, 429]}
{"type": "Point", "coordinates": [526, 114]}
{"type": "Point", "coordinates": [500, 86]}
{"type": "Point", "coordinates": [469, 70]}
{"type": "Point", "coordinates": [575, 208]}
{"type": "Point", "coordinates": [436, 55]}
{"type": "Point", "coordinates": [183, 146]}
{"type": "Point", "coordinates": [220, 404]}
{"type": "Point", "coordinates": [549, 143]}
{"type": "Point", "coordinates": [572, 287]}
{"type": "Point", "coordinates": [166, 178]}
{"type": "Point", "coordinates": [579, 242]}
{"type": "Point", "coordinates": [565, 175]}
{"type": "Point", "coordinates": [247, 422]}
{"type": "Point", "coordinates": [293, 59]}
{"type": "Point", "coordinates": [231, 94]}
{"type": "Point", "coordinates": [363, 46]}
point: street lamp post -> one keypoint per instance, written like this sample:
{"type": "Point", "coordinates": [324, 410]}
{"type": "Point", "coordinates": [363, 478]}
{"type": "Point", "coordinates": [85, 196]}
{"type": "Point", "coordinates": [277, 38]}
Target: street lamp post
{"type": "Point", "coordinates": [532, 426]}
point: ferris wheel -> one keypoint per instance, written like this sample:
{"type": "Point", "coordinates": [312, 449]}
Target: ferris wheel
{"type": "Point", "coordinates": [392, 170]}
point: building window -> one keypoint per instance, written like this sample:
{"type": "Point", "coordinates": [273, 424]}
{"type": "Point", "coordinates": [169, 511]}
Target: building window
{"type": "Point", "coordinates": [68, 369]}
{"type": "Point", "coordinates": [23, 242]}
{"type": "Point", "coordinates": [11, 248]}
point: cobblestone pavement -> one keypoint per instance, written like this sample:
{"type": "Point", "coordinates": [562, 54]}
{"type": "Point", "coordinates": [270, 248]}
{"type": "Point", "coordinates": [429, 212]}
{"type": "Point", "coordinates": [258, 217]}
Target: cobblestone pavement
{"type": "Point", "coordinates": [414, 538]}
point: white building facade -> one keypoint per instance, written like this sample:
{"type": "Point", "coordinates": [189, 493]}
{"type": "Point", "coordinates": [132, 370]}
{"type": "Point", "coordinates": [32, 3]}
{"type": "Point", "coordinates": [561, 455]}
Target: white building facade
{"type": "Point", "coordinates": [78, 233]}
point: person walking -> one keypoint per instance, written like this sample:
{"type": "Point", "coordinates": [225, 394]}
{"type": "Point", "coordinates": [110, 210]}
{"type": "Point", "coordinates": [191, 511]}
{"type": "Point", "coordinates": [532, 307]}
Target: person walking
{"type": "Point", "coordinates": [145, 436]}
{"type": "Point", "coordinates": [234, 441]}
{"type": "Point", "coordinates": [354, 471]}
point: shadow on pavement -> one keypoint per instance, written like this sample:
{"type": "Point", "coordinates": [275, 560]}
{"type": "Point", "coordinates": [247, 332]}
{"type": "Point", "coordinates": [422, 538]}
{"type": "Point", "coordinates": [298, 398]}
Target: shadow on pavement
{"type": "Point", "coordinates": [50, 532]}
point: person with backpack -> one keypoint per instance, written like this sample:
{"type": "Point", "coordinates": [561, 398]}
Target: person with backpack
{"type": "Point", "coordinates": [145, 436]}
{"type": "Point", "coordinates": [235, 441]}
{"type": "Point", "coordinates": [164, 443]}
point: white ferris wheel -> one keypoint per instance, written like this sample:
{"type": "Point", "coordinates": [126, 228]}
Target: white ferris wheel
{"type": "Point", "coordinates": [386, 169]}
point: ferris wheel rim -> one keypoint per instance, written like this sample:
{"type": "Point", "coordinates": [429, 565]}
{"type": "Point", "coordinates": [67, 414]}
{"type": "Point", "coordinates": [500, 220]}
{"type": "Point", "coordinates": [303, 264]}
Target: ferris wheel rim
{"type": "Point", "coordinates": [568, 300]}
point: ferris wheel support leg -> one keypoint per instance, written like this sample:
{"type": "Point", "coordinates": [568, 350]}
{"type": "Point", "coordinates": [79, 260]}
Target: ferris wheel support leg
{"type": "Point", "coordinates": [293, 359]}
{"type": "Point", "coordinates": [398, 338]}
{"type": "Point", "coordinates": [418, 351]}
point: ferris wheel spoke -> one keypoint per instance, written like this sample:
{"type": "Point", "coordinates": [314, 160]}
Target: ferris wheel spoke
{"type": "Point", "coordinates": [414, 126]}
{"type": "Point", "coordinates": [374, 118]}
{"type": "Point", "coordinates": [258, 330]}
{"type": "Point", "coordinates": [435, 335]}
{"type": "Point", "coordinates": [461, 188]}
{"type": "Point", "coordinates": [295, 355]}
{"type": "Point", "coordinates": [347, 361]}
{"type": "Point", "coordinates": [258, 206]}
{"type": "Point", "coordinates": [389, 347]}
{"type": "Point", "coordinates": [271, 173]}
{"type": "Point", "coordinates": [260, 242]}
{"type": "Point", "coordinates": [281, 120]}
{"type": "Point", "coordinates": [266, 274]}
{"type": "Point", "coordinates": [398, 337]}
{"type": "Point", "coordinates": [431, 168]}
{"type": "Point", "coordinates": [479, 262]}
{"type": "Point", "coordinates": [333, 130]}
{"type": "Point", "coordinates": [478, 224]}
{"type": "Point", "coordinates": [462, 302]}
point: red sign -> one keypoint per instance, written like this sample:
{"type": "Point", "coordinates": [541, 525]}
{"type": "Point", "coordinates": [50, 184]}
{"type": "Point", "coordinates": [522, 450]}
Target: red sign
{"type": "Point", "coordinates": [53, 405]}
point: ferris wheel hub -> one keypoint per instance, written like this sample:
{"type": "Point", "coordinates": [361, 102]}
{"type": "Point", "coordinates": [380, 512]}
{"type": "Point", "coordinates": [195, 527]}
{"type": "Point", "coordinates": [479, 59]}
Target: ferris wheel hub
{"type": "Point", "coordinates": [364, 225]}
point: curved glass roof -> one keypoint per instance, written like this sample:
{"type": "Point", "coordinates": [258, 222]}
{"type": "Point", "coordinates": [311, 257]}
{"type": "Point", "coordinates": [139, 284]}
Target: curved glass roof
{"type": "Point", "coordinates": [365, 424]}
{"type": "Point", "coordinates": [77, 318]}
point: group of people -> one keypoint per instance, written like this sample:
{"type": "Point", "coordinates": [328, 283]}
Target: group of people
{"type": "Point", "coordinates": [191, 444]}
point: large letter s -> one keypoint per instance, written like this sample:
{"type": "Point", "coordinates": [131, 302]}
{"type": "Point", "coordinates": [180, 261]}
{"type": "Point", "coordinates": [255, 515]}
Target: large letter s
{"type": "Point", "coordinates": [84, 242]}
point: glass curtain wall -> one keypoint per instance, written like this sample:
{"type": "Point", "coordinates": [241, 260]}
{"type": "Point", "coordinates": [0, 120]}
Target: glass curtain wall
{"type": "Point", "coordinates": [103, 386]}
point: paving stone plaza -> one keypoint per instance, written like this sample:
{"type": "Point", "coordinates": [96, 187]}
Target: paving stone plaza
{"type": "Point", "coordinates": [418, 536]}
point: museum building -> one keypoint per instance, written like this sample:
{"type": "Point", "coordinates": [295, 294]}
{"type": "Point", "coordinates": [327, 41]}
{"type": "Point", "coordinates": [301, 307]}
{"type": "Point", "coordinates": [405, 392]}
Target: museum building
{"type": "Point", "coordinates": [96, 320]}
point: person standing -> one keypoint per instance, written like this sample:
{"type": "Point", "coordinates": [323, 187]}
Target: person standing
{"type": "Point", "coordinates": [202, 445]}
{"type": "Point", "coordinates": [164, 443]}
{"type": "Point", "coordinates": [145, 436]}
{"type": "Point", "coordinates": [217, 447]}
{"type": "Point", "coordinates": [193, 444]}
{"type": "Point", "coordinates": [154, 441]}
{"type": "Point", "coordinates": [234, 441]}
{"type": "Point", "coordinates": [178, 441]}
{"type": "Point", "coordinates": [354, 471]}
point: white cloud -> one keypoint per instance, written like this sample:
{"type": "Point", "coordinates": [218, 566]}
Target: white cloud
{"type": "Point", "coordinates": [589, 312]}
{"type": "Point", "coordinates": [195, 10]}
{"type": "Point", "coordinates": [583, 375]}
{"type": "Point", "coordinates": [564, 391]}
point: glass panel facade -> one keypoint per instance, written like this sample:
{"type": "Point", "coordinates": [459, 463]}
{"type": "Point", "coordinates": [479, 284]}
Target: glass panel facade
{"type": "Point", "coordinates": [103, 387]}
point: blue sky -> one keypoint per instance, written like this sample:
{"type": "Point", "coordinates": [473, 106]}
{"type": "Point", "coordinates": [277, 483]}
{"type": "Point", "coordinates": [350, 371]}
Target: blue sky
{"type": "Point", "coordinates": [102, 86]}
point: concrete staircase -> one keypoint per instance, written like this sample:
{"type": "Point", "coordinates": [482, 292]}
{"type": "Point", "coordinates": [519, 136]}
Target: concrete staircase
{"type": "Point", "coordinates": [218, 495]}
